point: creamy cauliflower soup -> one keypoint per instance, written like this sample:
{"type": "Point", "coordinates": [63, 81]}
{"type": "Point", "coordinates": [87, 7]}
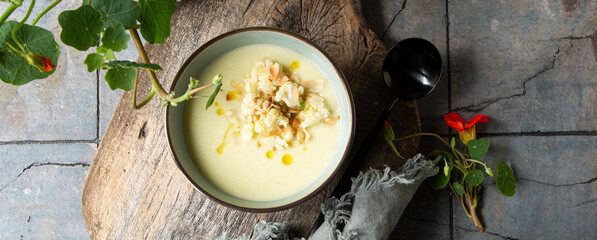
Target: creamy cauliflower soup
{"type": "Point", "coordinates": [272, 129]}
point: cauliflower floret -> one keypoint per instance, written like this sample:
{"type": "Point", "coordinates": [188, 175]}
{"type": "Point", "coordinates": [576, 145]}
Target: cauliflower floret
{"type": "Point", "coordinates": [248, 106]}
{"type": "Point", "coordinates": [247, 132]}
{"type": "Point", "coordinates": [314, 112]}
{"type": "Point", "coordinates": [274, 118]}
{"type": "Point", "coordinates": [290, 93]}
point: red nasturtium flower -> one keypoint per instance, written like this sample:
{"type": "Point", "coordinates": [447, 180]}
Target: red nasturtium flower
{"type": "Point", "coordinates": [43, 63]}
{"type": "Point", "coordinates": [466, 130]}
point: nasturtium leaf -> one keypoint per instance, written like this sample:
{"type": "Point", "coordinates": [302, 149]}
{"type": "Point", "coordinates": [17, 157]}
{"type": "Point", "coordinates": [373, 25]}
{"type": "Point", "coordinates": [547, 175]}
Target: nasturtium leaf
{"type": "Point", "coordinates": [122, 78]}
{"type": "Point", "coordinates": [441, 179]}
{"type": "Point", "coordinates": [15, 69]}
{"type": "Point", "coordinates": [506, 182]}
{"type": "Point", "coordinates": [458, 188]}
{"type": "Point", "coordinates": [478, 148]}
{"type": "Point", "coordinates": [155, 19]}
{"type": "Point", "coordinates": [117, 12]}
{"type": "Point", "coordinates": [81, 27]}
{"type": "Point", "coordinates": [115, 38]}
{"type": "Point", "coordinates": [106, 52]}
{"type": "Point", "coordinates": [474, 177]}
{"type": "Point", "coordinates": [94, 61]}
{"type": "Point", "coordinates": [129, 64]}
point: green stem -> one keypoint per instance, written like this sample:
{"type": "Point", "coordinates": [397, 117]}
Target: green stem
{"type": "Point", "coordinates": [14, 49]}
{"type": "Point", "coordinates": [154, 79]}
{"type": "Point", "coordinates": [189, 93]}
{"type": "Point", "coordinates": [473, 160]}
{"type": "Point", "coordinates": [156, 86]}
{"type": "Point", "coordinates": [460, 200]}
{"type": "Point", "coordinates": [11, 8]}
{"type": "Point", "coordinates": [146, 100]}
{"type": "Point", "coordinates": [458, 167]}
{"type": "Point", "coordinates": [14, 31]}
{"type": "Point", "coordinates": [473, 216]}
{"type": "Point", "coordinates": [42, 13]}
{"type": "Point", "coordinates": [456, 152]}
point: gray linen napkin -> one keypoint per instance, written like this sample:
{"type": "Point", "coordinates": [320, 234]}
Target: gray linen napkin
{"type": "Point", "coordinates": [370, 210]}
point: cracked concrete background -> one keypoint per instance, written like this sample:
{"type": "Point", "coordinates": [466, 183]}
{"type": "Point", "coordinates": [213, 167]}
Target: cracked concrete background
{"type": "Point", "coordinates": [530, 66]}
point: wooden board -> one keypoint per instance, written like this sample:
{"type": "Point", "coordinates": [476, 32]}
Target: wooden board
{"type": "Point", "coordinates": [134, 190]}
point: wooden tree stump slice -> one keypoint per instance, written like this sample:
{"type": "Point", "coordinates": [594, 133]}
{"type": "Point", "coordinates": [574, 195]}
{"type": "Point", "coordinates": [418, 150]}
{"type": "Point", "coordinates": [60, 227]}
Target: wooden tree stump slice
{"type": "Point", "coordinates": [133, 189]}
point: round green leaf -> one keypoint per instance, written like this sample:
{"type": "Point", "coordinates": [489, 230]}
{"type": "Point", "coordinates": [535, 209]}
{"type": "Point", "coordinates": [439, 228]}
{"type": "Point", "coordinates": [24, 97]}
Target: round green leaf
{"type": "Point", "coordinates": [474, 177]}
{"type": "Point", "coordinates": [122, 78]}
{"type": "Point", "coordinates": [506, 182]}
{"type": "Point", "coordinates": [81, 27]}
{"type": "Point", "coordinates": [478, 148]}
{"type": "Point", "coordinates": [458, 188]}
{"type": "Point", "coordinates": [15, 69]}
{"type": "Point", "coordinates": [155, 19]}
{"type": "Point", "coordinates": [116, 38]}
{"type": "Point", "coordinates": [441, 179]}
{"type": "Point", "coordinates": [123, 12]}
{"type": "Point", "coordinates": [94, 61]}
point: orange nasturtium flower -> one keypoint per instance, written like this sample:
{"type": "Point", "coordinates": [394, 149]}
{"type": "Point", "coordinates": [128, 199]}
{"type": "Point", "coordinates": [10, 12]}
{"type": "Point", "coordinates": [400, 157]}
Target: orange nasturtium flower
{"type": "Point", "coordinates": [466, 130]}
{"type": "Point", "coordinates": [43, 63]}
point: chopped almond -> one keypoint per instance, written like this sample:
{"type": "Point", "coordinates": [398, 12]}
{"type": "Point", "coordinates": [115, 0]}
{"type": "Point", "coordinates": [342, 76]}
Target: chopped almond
{"type": "Point", "coordinates": [274, 69]}
{"type": "Point", "coordinates": [313, 85]}
{"type": "Point", "coordinates": [296, 123]}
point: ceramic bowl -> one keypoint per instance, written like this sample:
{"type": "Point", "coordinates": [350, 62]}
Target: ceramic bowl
{"type": "Point", "coordinates": [227, 42]}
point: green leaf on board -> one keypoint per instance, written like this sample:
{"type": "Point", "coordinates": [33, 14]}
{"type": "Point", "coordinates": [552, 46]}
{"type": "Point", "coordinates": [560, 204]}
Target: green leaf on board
{"type": "Point", "coordinates": [213, 95]}
{"type": "Point", "coordinates": [458, 188]}
{"type": "Point", "coordinates": [115, 38]}
{"type": "Point", "coordinates": [81, 27]}
{"type": "Point", "coordinates": [475, 177]}
{"type": "Point", "coordinates": [106, 52]}
{"type": "Point", "coordinates": [478, 148]}
{"type": "Point", "coordinates": [122, 78]}
{"type": "Point", "coordinates": [15, 69]}
{"type": "Point", "coordinates": [130, 64]}
{"type": "Point", "coordinates": [155, 19]}
{"type": "Point", "coordinates": [506, 182]}
{"type": "Point", "coordinates": [441, 179]}
{"type": "Point", "coordinates": [123, 12]}
{"type": "Point", "coordinates": [453, 142]}
{"type": "Point", "coordinates": [94, 61]}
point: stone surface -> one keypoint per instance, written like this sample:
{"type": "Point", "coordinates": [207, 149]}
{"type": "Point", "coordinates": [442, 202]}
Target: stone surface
{"type": "Point", "coordinates": [427, 216]}
{"type": "Point", "coordinates": [393, 21]}
{"type": "Point", "coordinates": [517, 62]}
{"type": "Point", "coordinates": [556, 193]}
{"type": "Point", "coordinates": [40, 190]}
{"type": "Point", "coordinates": [60, 107]}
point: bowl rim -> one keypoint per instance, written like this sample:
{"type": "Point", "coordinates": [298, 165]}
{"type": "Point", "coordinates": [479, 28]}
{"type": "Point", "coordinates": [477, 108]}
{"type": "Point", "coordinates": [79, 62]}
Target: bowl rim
{"type": "Point", "coordinates": [345, 85]}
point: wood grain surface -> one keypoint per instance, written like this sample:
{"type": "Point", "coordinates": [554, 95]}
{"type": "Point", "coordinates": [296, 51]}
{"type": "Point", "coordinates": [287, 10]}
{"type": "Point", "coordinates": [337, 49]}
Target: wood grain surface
{"type": "Point", "coordinates": [133, 189]}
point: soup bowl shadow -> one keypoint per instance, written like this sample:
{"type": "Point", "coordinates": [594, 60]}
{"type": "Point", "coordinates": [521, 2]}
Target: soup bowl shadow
{"type": "Point", "coordinates": [243, 37]}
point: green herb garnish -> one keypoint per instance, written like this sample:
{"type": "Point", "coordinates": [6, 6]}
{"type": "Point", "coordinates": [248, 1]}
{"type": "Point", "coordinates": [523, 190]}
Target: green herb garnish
{"type": "Point", "coordinates": [218, 82]}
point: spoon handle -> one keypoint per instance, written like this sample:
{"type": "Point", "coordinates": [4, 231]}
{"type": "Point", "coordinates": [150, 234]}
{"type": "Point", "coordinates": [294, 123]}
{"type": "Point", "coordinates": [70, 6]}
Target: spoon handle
{"type": "Point", "coordinates": [345, 182]}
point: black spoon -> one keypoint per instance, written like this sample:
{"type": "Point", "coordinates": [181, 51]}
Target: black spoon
{"type": "Point", "coordinates": [411, 69]}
